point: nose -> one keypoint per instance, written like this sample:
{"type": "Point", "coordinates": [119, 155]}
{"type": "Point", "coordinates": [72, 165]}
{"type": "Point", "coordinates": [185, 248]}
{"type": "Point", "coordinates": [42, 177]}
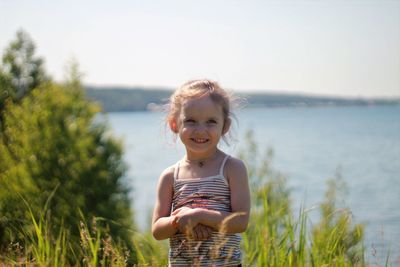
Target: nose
{"type": "Point", "coordinates": [200, 127]}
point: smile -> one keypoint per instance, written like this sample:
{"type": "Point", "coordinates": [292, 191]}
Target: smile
{"type": "Point", "coordinates": [199, 140]}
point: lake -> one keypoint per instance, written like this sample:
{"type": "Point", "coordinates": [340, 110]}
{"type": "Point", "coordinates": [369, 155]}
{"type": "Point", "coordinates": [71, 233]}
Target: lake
{"type": "Point", "coordinates": [310, 145]}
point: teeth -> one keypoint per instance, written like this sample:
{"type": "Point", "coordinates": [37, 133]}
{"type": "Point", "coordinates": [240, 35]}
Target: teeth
{"type": "Point", "coordinates": [200, 140]}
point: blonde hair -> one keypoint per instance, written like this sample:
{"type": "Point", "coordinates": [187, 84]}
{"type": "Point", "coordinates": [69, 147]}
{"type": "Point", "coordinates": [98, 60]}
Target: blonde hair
{"type": "Point", "coordinates": [196, 89]}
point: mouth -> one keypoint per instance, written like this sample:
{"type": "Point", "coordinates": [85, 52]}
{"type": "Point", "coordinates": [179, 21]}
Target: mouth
{"type": "Point", "coordinates": [199, 140]}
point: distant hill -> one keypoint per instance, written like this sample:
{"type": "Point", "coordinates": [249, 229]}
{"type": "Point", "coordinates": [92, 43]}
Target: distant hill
{"type": "Point", "coordinates": [127, 99]}
{"type": "Point", "coordinates": [140, 99]}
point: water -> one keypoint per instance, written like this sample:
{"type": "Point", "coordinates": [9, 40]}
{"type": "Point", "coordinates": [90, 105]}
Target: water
{"type": "Point", "coordinates": [310, 144]}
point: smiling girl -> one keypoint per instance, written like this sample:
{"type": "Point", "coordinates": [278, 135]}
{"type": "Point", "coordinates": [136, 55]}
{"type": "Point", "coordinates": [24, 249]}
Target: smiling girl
{"type": "Point", "coordinates": [203, 200]}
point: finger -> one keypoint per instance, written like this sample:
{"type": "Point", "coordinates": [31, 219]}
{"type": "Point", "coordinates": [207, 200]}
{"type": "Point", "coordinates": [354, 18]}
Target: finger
{"type": "Point", "coordinates": [176, 211]}
{"type": "Point", "coordinates": [174, 222]}
{"type": "Point", "coordinates": [182, 209]}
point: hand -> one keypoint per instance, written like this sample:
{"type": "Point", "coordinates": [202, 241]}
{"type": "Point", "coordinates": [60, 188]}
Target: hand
{"type": "Point", "coordinates": [185, 219]}
{"type": "Point", "coordinates": [201, 232]}
{"type": "Point", "coordinates": [181, 210]}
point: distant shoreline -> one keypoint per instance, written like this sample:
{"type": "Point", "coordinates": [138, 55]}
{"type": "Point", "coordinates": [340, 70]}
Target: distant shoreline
{"type": "Point", "coordinates": [121, 99]}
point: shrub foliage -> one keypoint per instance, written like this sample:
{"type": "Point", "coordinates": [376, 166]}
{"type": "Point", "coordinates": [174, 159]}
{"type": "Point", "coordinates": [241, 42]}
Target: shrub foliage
{"type": "Point", "coordinates": [55, 154]}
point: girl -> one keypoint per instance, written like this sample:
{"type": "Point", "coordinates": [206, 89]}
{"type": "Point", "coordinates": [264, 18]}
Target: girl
{"type": "Point", "coordinates": [203, 200]}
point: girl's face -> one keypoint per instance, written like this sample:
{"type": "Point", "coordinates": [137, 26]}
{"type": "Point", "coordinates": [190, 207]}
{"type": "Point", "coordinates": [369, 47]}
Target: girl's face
{"type": "Point", "coordinates": [200, 125]}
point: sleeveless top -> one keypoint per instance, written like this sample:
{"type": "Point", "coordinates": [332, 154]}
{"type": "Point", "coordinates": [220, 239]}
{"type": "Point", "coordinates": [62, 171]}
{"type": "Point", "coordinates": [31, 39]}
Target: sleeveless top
{"type": "Point", "coordinates": [211, 193]}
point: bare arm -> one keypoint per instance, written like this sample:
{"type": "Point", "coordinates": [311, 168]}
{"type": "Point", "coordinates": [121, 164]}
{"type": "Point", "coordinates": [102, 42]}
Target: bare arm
{"type": "Point", "coordinates": [230, 222]}
{"type": "Point", "coordinates": [162, 221]}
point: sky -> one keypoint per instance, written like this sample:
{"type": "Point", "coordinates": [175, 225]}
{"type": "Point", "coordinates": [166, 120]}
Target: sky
{"type": "Point", "coordinates": [345, 48]}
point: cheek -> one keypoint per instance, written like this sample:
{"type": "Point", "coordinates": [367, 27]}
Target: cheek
{"type": "Point", "coordinates": [184, 130]}
{"type": "Point", "coordinates": [215, 130]}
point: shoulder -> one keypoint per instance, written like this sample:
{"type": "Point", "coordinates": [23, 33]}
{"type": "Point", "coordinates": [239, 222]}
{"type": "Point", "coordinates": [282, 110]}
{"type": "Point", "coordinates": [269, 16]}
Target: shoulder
{"type": "Point", "coordinates": [235, 164]}
{"type": "Point", "coordinates": [167, 176]}
{"type": "Point", "coordinates": [235, 169]}
{"type": "Point", "coordinates": [169, 171]}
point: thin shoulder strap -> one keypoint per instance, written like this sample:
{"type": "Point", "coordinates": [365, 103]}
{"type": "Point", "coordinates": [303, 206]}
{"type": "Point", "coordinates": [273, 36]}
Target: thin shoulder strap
{"type": "Point", "coordinates": [176, 171]}
{"type": "Point", "coordinates": [221, 170]}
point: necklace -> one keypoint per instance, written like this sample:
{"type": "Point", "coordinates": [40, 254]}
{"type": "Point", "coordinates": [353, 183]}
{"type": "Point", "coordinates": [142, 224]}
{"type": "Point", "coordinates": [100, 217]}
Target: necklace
{"type": "Point", "coordinates": [201, 162]}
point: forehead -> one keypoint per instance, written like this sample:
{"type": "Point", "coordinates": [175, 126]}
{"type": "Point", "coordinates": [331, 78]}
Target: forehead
{"type": "Point", "coordinates": [202, 106]}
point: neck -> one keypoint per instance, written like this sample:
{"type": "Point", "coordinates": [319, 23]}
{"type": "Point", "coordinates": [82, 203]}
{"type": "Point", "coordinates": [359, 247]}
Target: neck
{"type": "Point", "coordinates": [202, 157]}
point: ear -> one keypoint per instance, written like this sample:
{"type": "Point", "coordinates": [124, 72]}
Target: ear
{"type": "Point", "coordinates": [173, 126]}
{"type": "Point", "coordinates": [227, 125]}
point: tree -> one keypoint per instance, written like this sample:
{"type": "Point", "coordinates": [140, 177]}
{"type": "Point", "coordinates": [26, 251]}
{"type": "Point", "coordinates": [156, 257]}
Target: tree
{"type": "Point", "coordinates": [53, 143]}
{"type": "Point", "coordinates": [55, 154]}
{"type": "Point", "coordinates": [21, 67]}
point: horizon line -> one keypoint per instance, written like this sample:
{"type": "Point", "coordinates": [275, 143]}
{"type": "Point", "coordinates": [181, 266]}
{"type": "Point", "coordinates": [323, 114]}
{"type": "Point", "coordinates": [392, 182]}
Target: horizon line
{"type": "Point", "coordinates": [249, 92]}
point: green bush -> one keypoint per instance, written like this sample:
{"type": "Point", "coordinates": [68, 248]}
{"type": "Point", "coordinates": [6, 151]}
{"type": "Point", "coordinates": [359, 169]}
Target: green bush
{"type": "Point", "coordinates": [58, 157]}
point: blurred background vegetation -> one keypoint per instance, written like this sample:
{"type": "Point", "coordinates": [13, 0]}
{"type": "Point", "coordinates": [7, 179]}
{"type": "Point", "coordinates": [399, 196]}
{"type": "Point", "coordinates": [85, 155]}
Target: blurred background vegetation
{"type": "Point", "coordinates": [64, 200]}
{"type": "Point", "coordinates": [53, 154]}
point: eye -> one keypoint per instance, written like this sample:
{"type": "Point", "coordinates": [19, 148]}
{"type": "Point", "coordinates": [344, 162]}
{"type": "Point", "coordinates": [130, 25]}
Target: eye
{"type": "Point", "coordinates": [189, 121]}
{"type": "Point", "coordinates": [212, 121]}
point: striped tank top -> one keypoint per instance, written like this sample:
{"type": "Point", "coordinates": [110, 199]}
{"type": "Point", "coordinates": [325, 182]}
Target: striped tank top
{"type": "Point", "coordinates": [211, 193]}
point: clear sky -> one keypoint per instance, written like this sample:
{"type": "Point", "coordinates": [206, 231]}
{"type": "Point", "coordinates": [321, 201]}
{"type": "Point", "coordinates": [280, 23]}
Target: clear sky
{"type": "Point", "coordinates": [345, 48]}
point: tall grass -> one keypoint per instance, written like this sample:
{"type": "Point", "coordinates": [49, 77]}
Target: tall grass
{"type": "Point", "coordinates": [276, 236]}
